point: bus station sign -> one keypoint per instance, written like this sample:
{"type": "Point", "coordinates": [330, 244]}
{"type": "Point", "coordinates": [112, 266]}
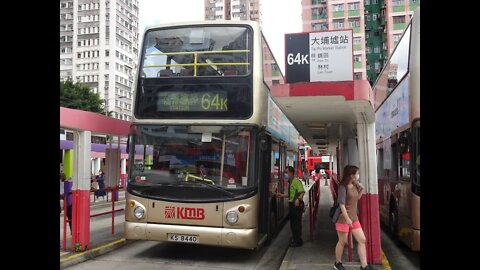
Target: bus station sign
{"type": "Point", "coordinates": [324, 56]}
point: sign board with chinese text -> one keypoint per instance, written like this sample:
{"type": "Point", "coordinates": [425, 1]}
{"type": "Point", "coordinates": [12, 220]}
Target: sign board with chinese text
{"type": "Point", "coordinates": [319, 56]}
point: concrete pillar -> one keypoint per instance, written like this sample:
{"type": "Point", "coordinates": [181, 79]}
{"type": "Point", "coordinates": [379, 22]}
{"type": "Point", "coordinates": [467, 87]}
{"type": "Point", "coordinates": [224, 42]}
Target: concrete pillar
{"type": "Point", "coordinates": [148, 160]}
{"type": "Point", "coordinates": [352, 152]}
{"type": "Point", "coordinates": [97, 165]}
{"type": "Point", "coordinates": [68, 163]}
{"type": "Point", "coordinates": [92, 166]}
{"type": "Point", "coordinates": [341, 158]}
{"type": "Point", "coordinates": [123, 166]}
{"type": "Point", "coordinates": [368, 204]}
{"type": "Point", "coordinates": [81, 190]}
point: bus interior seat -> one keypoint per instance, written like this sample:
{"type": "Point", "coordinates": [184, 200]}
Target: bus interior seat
{"type": "Point", "coordinates": [165, 73]}
{"type": "Point", "coordinates": [186, 72]}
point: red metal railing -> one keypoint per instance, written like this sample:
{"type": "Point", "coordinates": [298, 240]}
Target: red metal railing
{"type": "Point", "coordinates": [114, 191]}
{"type": "Point", "coordinates": [313, 201]}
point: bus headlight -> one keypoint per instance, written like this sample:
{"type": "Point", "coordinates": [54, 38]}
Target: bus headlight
{"type": "Point", "coordinates": [139, 212]}
{"type": "Point", "coordinates": [232, 217]}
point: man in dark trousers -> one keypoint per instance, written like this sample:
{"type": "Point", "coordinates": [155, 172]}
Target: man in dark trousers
{"type": "Point", "coordinates": [295, 201]}
{"type": "Point", "coordinates": [67, 196]}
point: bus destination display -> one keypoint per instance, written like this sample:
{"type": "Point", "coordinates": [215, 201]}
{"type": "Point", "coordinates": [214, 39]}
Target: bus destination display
{"type": "Point", "coordinates": [192, 101]}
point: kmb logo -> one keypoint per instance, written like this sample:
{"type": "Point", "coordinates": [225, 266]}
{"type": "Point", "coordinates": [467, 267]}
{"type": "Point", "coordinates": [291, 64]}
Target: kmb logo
{"type": "Point", "coordinates": [185, 212]}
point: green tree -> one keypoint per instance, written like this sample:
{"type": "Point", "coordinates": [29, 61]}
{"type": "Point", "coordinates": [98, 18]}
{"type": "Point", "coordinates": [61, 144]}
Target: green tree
{"type": "Point", "coordinates": [81, 97]}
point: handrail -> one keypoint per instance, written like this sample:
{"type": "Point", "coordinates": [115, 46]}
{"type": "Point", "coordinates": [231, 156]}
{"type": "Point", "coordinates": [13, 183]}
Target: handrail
{"type": "Point", "coordinates": [196, 52]}
{"type": "Point", "coordinates": [199, 64]}
{"type": "Point", "coordinates": [195, 63]}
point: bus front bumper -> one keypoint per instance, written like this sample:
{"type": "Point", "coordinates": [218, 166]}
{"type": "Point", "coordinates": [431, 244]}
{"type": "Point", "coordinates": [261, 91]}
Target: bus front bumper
{"type": "Point", "coordinates": [235, 238]}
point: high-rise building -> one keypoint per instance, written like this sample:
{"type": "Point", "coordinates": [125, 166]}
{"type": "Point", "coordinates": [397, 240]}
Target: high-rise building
{"type": "Point", "coordinates": [334, 15]}
{"type": "Point", "coordinates": [232, 10]}
{"type": "Point", "coordinates": [377, 26]}
{"type": "Point", "coordinates": [217, 10]}
{"type": "Point", "coordinates": [245, 10]}
{"type": "Point", "coordinates": [99, 48]}
{"type": "Point", "coordinates": [385, 22]}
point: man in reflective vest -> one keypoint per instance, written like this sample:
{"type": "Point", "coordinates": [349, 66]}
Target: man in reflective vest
{"type": "Point", "coordinates": [296, 206]}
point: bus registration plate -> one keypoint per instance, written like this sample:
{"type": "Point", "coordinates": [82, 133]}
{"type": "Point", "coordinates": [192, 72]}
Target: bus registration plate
{"type": "Point", "coordinates": [183, 238]}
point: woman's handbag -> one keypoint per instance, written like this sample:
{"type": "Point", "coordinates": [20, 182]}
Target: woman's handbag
{"type": "Point", "coordinates": [94, 186]}
{"type": "Point", "coordinates": [334, 212]}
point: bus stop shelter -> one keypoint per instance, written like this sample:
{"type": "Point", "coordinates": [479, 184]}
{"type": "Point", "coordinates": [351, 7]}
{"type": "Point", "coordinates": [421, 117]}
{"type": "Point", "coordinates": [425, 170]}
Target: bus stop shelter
{"type": "Point", "coordinates": [82, 124]}
{"type": "Point", "coordinates": [338, 119]}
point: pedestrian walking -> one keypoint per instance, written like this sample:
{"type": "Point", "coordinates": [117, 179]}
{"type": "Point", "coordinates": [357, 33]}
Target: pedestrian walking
{"type": "Point", "coordinates": [349, 192]}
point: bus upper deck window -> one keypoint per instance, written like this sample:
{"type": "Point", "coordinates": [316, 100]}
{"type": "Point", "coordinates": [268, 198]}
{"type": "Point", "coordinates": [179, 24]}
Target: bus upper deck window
{"type": "Point", "coordinates": [196, 36]}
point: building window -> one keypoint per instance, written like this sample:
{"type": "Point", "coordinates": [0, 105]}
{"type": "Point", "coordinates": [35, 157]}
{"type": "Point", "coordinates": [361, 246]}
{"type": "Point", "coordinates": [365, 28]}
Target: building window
{"type": "Point", "coordinates": [354, 23]}
{"type": "Point", "coordinates": [357, 58]}
{"type": "Point", "coordinates": [374, 17]}
{"type": "Point", "coordinates": [398, 19]}
{"type": "Point", "coordinates": [338, 7]}
{"type": "Point", "coordinates": [338, 24]}
{"type": "Point", "coordinates": [367, 17]}
{"type": "Point", "coordinates": [376, 49]}
{"type": "Point", "coordinates": [354, 6]}
{"type": "Point", "coordinates": [396, 37]}
{"type": "Point", "coordinates": [357, 40]}
{"type": "Point", "coordinates": [319, 26]}
{"type": "Point", "coordinates": [357, 75]}
{"type": "Point", "coordinates": [367, 2]}
{"type": "Point", "coordinates": [397, 3]}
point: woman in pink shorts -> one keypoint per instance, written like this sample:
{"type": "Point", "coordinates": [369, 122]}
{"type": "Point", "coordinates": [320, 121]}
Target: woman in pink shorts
{"type": "Point", "coordinates": [349, 192]}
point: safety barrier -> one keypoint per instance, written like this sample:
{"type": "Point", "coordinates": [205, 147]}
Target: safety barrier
{"type": "Point", "coordinates": [313, 201]}
{"type": "Point", "coordinates": [114, 191]}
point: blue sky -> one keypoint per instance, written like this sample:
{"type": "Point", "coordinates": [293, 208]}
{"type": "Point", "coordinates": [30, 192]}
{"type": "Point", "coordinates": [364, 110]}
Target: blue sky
{"type": "Point", "coordinates": [279, 17]}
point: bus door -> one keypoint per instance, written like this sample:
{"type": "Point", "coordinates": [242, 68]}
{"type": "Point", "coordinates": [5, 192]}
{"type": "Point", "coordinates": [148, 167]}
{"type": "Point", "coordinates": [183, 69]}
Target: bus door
{"type": "Point", "coordinates": [283, 185]}
{"type": "Point", "coordinates": [415, 175]}
{"type": "Point", "coordinates": [267, 193]}
{"type": "Point", "coordinates": [415, 163]}
{"type": "Point", "coordinates": [274, 183]}
{"type": "Point", "coordinates": [403, 189]}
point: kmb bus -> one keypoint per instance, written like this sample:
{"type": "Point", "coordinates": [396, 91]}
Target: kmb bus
{"type": "Point", "coordinates": [397, 121]}
{"type": "Point", "coordinates": [208, 144]}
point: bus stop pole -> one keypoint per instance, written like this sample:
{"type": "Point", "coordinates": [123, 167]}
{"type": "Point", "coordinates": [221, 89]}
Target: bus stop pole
{"type": "Point", "coordinates": [81, 190]}
{"type": "Point", "coordinates": [368, 204]}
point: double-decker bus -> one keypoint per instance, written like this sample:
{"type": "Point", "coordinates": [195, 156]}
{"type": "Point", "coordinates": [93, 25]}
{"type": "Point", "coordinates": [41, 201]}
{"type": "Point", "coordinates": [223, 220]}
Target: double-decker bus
{"type": "Point", "coordinates": [319, 163]}
{"type": "Point", "coordinates": [208, 145]}
{"type": "Point", "coordinates": [397, 120]}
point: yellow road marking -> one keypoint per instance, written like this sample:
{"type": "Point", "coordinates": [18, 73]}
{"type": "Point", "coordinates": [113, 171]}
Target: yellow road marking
{"type": "Point", "coordinates": [92, 250]}
{"type": "Point", "coordinates": [385, 263]}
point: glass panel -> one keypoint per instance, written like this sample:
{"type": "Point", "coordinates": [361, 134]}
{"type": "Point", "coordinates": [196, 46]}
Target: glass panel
{"type": "Point", "coordinates": [196, 51]}
{"type": "Point", "coordinates": [200, 155]}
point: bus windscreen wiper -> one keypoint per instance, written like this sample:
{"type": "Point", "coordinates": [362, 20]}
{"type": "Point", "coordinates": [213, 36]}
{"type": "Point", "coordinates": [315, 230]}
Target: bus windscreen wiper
{"type": "Point", "coordinates": [192, 176]}
{"type": "Point", "coordinates": [208, 183]}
